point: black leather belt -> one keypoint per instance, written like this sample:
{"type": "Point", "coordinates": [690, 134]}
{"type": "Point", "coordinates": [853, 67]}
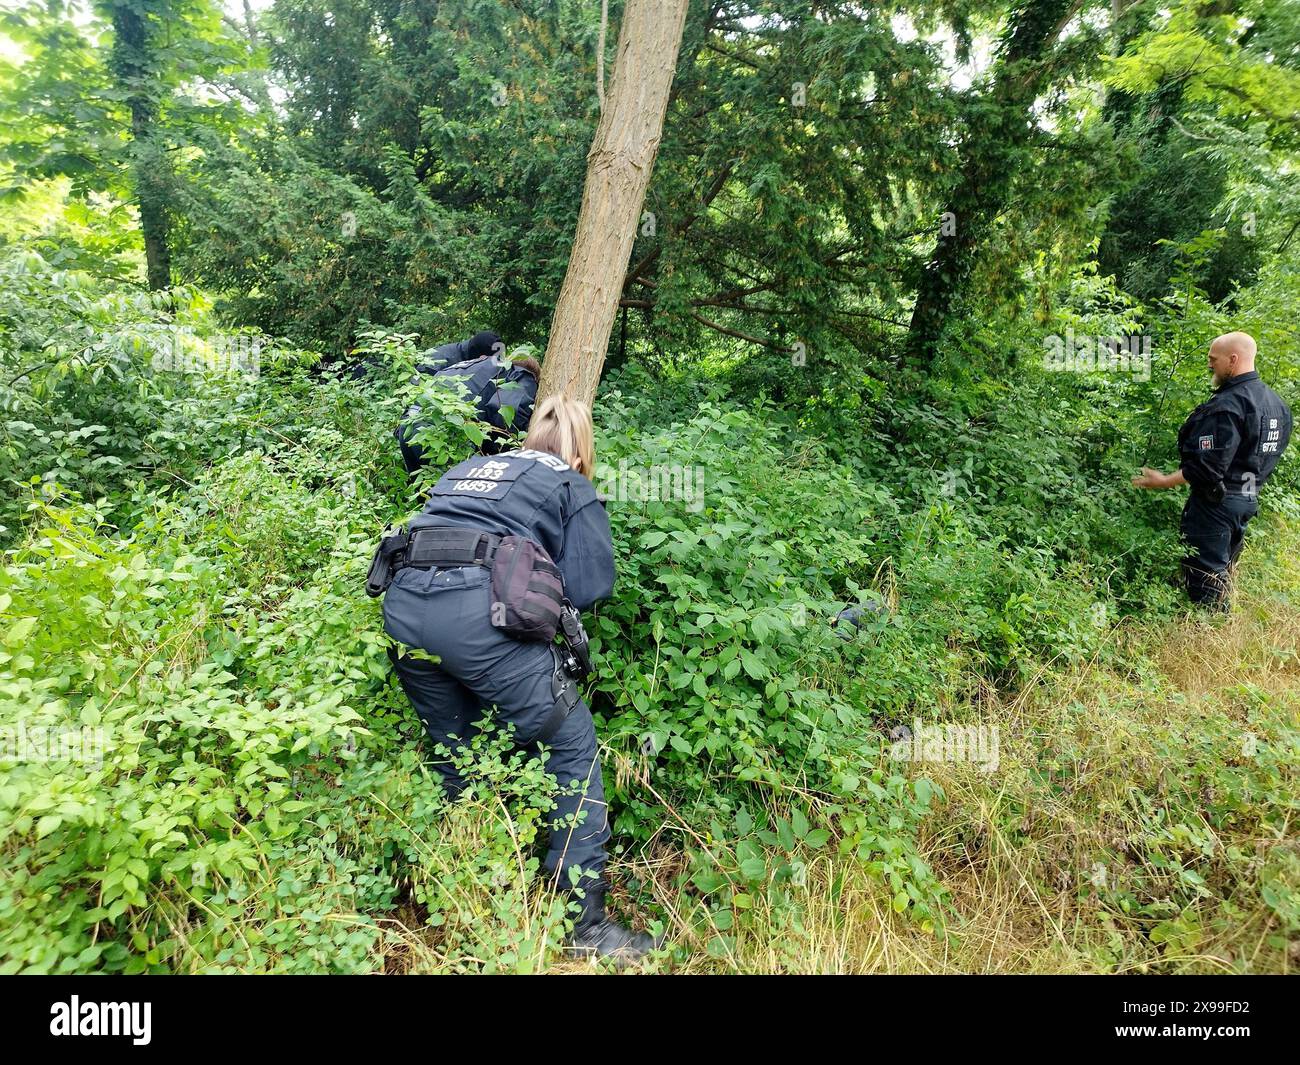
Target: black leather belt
{"type": "Point", "coordinates": [433, 548]}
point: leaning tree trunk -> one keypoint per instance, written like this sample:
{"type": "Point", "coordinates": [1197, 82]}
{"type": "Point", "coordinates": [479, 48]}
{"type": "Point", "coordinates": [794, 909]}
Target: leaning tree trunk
{"type": "Point", "coordinates": [618, 171]}
{"type": "Point", "coordinates": [150, 169]}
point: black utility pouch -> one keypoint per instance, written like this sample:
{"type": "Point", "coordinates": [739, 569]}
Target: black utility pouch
{"type": "Point", "coordinates": [527, 591]}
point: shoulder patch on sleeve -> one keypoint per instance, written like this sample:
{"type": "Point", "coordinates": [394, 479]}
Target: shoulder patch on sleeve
{"type": "Point", "coordinates": [1207, 443]}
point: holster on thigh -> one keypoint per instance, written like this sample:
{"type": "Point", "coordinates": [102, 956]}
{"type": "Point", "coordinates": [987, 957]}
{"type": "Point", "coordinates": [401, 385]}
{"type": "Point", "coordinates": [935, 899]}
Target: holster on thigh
{"type": "Point", "coordinates": [564, 690]}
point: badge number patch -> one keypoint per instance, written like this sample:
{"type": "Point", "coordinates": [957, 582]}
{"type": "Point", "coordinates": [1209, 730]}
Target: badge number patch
{"type": "Point", "coordinates": [486, 478]}
{"type": "Point", "coordinates": [1207, 443]}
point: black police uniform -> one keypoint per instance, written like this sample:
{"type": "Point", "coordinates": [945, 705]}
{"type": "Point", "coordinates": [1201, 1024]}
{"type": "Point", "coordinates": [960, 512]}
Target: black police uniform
{"type": "Point", "coordinates": [444, 355]}
{"type": "Point", "coordinates": [446, 612]}
{"type": "Point", "coordinates": [431, 362]}
{"type": "Point", "coordinates": [510, 406]}
{"type": "Point", "coordinates": [492, 389]}
{"type": "Point", "coordinates": [1229, 447]}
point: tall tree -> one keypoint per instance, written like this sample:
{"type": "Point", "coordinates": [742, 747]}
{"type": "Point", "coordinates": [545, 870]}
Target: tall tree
{"type": "Point", "coordinates": [1206, 93]}
{"type": "Point", "coordinates": [802, 142]}
{"type": "Point", "coordinates": [134, 62]}
{"type": "Point", "coordinates": [618, 170]}
{"type": "Point", "coordinates": [993, 150]}
{"type": "Point", "coordinates": [92, 94]}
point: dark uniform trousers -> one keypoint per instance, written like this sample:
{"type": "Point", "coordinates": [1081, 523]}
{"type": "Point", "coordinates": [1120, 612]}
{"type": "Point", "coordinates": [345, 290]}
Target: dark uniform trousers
{"type": "Point", "coordinates": [446, 613]}
{"type": "Point", "coordinates": [1214, 534]}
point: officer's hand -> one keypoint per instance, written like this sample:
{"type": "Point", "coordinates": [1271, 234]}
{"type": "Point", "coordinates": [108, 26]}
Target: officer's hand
{"type": "Point", "coordinates": [1150, 478]}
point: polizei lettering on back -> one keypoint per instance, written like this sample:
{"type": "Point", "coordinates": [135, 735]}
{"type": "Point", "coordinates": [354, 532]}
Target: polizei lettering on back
{"type": "Point", "coordinates": [544, 457]}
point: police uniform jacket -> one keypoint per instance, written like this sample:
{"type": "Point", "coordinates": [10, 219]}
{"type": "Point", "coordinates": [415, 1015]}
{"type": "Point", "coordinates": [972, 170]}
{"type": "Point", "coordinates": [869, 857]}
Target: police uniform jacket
{"type": "Point", "coordinates": [538, 496]}
{"type": "Point", "coordinates": [1235, 438]}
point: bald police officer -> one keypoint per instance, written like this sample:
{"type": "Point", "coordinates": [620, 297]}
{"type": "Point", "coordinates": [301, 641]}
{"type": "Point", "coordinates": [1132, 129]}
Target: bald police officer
{"type": "Point", "coordinates": [1229, 447]}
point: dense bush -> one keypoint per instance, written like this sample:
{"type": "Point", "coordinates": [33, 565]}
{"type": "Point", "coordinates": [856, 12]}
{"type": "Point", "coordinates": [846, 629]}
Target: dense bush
{"type": "Point", "coordinates": [815, 398]}
{"type": "Point", "coordinates": [260, 774]}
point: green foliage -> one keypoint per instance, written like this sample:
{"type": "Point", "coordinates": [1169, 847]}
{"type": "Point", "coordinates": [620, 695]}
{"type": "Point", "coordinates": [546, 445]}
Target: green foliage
{"type": "Point", "coordinates": [428, 174]}
{"type": "Point", "coordinates": [234, 803]}
{"type": "Point", "coordinates": [731, 593]}
{"type": "Point", "coordinates": [105, 93]}
{"type": "Point", "coordinates": [274, 809]}
{"type": "Point", "coordinates": [193, 489]}
{"type": "Point", "coordinates": [1246, 794]}
{"type": "Point", "coordinates": [762, 862]}
{"type": "Point", "coordinates": [1240, 60]}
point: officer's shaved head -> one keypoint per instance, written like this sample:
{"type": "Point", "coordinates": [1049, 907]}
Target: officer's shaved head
{"type": "Point", "coordinates": [1231, 354]}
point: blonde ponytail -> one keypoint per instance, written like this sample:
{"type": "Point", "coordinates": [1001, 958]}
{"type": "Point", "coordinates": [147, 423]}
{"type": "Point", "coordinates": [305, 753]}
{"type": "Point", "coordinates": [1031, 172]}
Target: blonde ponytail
{"type": "Point", "coordinates": [562, 426]}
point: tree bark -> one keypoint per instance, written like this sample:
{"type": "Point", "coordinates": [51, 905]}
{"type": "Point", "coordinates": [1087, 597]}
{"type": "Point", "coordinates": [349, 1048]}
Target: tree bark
{"type": "Point", "coordinates": [618, 171]}
{"type": "Point", "coordinates": [132, 66]}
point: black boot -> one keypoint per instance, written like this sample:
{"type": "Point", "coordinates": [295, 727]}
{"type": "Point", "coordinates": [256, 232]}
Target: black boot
{"type": "Point", "coordinates": [596, 935]}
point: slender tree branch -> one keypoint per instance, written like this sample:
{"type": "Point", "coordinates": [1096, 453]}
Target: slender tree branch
{"type": "Point", "coordinates": [738, 334]}
{"type": "Point", "coordinates": [600, 55]}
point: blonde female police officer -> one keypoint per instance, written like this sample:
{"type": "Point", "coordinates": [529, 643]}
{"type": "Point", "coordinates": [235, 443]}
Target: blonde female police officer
{"type": "Point", "coordinates": [442, 605]}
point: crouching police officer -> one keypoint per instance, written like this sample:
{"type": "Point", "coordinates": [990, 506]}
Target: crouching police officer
{"type": "Point", "coordinates": [502, 394]}
{"type": "Point", "coordinates": [503, 398]}
{"type": "Point", "coordinates": [482, 345]}
{"type": "Point", "coordinates": [1229, 447]}
{"type": "Point", "coordinates": [476, 347]}
{"type": "Point", "coordinates": [442, 599]}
